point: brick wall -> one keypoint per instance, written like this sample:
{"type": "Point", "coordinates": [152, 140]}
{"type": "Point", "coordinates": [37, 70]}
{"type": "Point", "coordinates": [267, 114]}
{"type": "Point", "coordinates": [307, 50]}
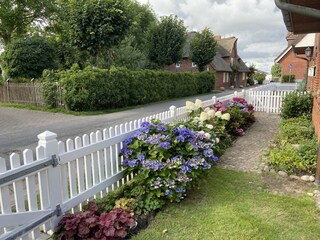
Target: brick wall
{"type": "Point", "coordinates": [316, 116]}
{"type": "Point", "coordinates": [314, 86]}
{"type": "Point", "coordinates": [299, 66]}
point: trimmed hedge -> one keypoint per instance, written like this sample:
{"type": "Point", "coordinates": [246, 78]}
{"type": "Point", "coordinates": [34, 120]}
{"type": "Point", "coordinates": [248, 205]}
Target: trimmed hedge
{"type": "Point", "coordinates": [96, 89]}
{"type": "Point", "coordinates": [289, 78]}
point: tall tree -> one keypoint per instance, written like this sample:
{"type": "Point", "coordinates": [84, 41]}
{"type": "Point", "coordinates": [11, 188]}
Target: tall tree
{"type": "Point", "coordinates": [16, 16]}
{"type": "Point", "coordinates": [144, 19]}
{"type": "Point", "coordinates": [276, 70]}
{"type": "Point", "coordinates": [95, 26]}
{"type": "Point", "coordinates": [203, 48]}
{"type": "Point", "coordinates": [166, 41]}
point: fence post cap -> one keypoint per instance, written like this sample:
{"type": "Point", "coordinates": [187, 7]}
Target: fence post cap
{"type": "Point", "coordinates": [47, 136]}
{"type": "Point", "coordinates": [172, 108]}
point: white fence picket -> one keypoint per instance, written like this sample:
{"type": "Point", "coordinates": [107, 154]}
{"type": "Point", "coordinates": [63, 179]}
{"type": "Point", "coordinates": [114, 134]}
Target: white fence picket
{"type": "Point", "coordinates": [32, 192]}
{"type": "Point", "coordinates": [5, 200]}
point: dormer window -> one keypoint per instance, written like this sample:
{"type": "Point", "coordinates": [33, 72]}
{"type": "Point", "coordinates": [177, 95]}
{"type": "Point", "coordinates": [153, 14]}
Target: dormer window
{"type": "Point", "coordinates": [193, 64]}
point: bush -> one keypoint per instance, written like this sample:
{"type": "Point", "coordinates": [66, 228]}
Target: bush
{"type": "Point", "coordinates": [288, 78]}
{"type": "Point", "coordinates": [296, 147]}
{"type": "Point", "coordinates": [295, 130]}
{"type": "Point", "coordinates": [28, 57]}
{"type": "Point", "coordinates": [166, 159]}
{"type": "Point", "coordinates": [295, 159]}
{"type": "Point", "coordinates": [95, 89]}
{"type": "Point", "coordinates": [250, 81]}
{"type": "Point", "coordinates": [260, 77]}
{"type": "Point", "coordinates": [296, 104]}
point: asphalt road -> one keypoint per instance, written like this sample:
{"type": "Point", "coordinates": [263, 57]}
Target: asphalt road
{"type": "Point", "coordinates": [19, 127]}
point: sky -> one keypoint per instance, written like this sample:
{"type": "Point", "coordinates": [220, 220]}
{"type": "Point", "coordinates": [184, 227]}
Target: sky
{"type": "Point", "coordinates": [258, 24]}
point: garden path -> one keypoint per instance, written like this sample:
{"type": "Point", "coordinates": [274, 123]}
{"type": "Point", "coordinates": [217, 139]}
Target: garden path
{"type": "Point", "coordinates": [245, 153]}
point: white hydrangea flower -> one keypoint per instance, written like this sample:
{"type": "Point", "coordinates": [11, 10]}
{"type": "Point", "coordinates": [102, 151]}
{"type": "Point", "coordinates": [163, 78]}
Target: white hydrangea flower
{"type": "Point", "coordinates": [207, 135]}
{"type": "Point", "coordinates": [218, 114]}
{"type": "Point", "coordinates": [190, 106]}
{"type": "Point", "coordinates": [204, 116]}
{"type": "Point", "coordinates": [198, 104]}
{"type": "Point", "coordinates": [196, 119]}
{"type": "Point", "coordinates": [209, 126]}
{"type": "Point", "coordinates": [201, 132]}
{"type": "Point", "coordinates": [217, 140]}
{"type": "Point", "coordinates": [207, 109]}
{"type": "Point", "coordinates": [226, 116]}
{"type": "Point", "coordinates": [211, 113]}
{"type": "Point", "coordinates": [181, 126]}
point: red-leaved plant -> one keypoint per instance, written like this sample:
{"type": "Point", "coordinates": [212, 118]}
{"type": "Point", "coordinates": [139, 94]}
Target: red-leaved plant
{"type": "Point", "coordinates": [89, 224]}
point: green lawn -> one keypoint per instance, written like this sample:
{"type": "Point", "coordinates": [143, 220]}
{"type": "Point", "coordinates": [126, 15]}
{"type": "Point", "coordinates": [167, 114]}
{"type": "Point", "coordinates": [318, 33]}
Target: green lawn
{"type": "Point", "coordinates": [234, 205]}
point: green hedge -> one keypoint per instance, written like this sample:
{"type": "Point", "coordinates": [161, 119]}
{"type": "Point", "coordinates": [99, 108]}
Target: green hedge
{"type": "Point", "coordinates": [289, 78]}
{"type": "Point", "coordinates": [96, 89]}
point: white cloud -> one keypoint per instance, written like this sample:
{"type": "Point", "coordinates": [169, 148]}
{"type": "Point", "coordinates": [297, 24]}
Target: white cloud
{"type": "Point", "coordinates": [258, 24]}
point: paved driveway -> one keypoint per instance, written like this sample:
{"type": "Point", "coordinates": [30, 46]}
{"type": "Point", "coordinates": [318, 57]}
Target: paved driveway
{"type": "Point", "coordinates": [19, 127]}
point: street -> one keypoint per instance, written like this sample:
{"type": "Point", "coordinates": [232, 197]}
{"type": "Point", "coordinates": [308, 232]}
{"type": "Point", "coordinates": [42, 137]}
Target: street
{"type": "Point", "coordinates": [19, 127]}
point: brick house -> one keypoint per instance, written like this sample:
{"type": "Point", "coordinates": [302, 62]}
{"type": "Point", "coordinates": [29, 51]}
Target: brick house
{"type": "Point", "coordinates": [288, 58]}
{"type": "Point", "coordinates": [228, 67]}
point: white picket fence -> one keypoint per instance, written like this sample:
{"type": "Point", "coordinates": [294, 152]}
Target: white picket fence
{"type": "Point", "coordinates": [41, 185]}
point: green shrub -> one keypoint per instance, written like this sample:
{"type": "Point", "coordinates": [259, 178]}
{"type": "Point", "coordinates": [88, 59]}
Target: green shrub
{"type": "Point", "coordinates": [295, 159]}
{"type": "Point", "coordinates": [250, 81]}
{"type": "Point", "coordinates": [49, 88]}
{"type": "Point", "coordinates": [295, 130]}
{"type": "Point", "coordinates": [296, 104]}
{"type": "Point", "coordinates": [289, 78]}
{"type": "Point", "coordinates": [28, 57]}
{"type": "Point", "coordinates": [94, 89]}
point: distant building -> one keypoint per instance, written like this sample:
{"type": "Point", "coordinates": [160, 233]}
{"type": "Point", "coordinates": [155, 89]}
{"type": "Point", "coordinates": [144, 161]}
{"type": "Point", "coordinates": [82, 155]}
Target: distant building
{"type": "Point", "coordinates": [228, 67]}
{"type": "Point", "coordinates": [289, 58]}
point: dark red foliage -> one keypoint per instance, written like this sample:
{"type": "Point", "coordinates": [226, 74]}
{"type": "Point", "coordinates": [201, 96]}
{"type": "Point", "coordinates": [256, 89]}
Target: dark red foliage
{"type": "Point", "coordinates": [88, 224]}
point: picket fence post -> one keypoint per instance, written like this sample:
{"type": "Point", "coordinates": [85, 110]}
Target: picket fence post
{"type": "Point", "coordinates": [48, 140]}
{"type": "Point", "coordinates": [236, 94]}
{"type": "Point", "coordinates": [214, 99]}
{"type": "Point", "coordinates": [173, 112]}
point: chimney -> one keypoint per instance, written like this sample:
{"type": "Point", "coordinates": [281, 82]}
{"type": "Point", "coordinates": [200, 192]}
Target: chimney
{"type": "Point", "coordinates": [217, 37]}
{"type": "Point", "coordinates": [290, 38]}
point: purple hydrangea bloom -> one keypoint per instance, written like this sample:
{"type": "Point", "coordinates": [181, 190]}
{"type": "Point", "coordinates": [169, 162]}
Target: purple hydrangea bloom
{"type": "Point", "coordinates": [180, 138]}
{"type": "Point", "coordinates": [167, 192]}
{"type": "Point", "coordinates": [208, 153]}
{"type": "Point", "coordinates": [164, 145]}
{"type": "Point", "coordinates": [214, 158]}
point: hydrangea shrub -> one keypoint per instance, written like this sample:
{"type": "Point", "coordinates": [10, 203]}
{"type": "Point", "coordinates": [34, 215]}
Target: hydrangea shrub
{"type": "Point", "coordinates": [167, 158]}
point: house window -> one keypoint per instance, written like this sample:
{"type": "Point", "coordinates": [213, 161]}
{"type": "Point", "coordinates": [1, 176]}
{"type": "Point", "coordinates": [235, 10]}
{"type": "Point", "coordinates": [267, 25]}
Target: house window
{"type": "Point", "coordinates": [177, 65]}
{"type": "Point", "coordinates": [224, 77]}
{"type": "Point", "coordinates": [243, 76]}
{"type": "Point", "coordinates": [227, 77]}
{"type": "Point", "coordinates": [193, 64]}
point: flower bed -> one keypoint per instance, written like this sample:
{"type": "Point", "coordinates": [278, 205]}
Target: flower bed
{"type": "Point", "coordinates": [167, 161]}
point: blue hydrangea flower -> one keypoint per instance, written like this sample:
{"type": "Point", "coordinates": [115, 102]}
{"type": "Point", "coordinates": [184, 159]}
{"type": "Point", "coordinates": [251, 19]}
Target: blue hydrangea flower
{"type": "Point", "coordinates": [164, 145]}
{"type": "Point", "coordinates": [167, 192]}
{"type": "Point", "coordinates": [208, 153]}
{"type": "Point", "coordinates": [180, 138]}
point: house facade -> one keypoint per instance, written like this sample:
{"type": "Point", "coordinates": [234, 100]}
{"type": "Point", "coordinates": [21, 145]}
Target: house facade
{"type": "Point", "coordinates": [229, 69]}
{"type": "Point", "coordinates": [289, 63]}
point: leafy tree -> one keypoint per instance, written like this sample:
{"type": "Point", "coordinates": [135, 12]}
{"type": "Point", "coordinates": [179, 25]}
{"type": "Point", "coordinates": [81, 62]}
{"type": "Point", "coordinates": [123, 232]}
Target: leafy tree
{"type": "Point", "coordinates": [252, 70]}
{"type": "Point", "coordinates": [167, 40]}
{"type": "Point", "coordinates": [144, 20]}
{"type": "Point", "coordinates": [260, 77]}
{"type": "Point", "coordinates": [276, 70]}
{"type": "Point", "coordinates": [95, 26]}
{"type": "Point", "coordinates": [203, 49]}
{"type": "Point", "coordinates": [16, 16]}
{"type": "Point", "coordinates": [126, 55]}
{"type": "Point", "coordinates": [28, 57]}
